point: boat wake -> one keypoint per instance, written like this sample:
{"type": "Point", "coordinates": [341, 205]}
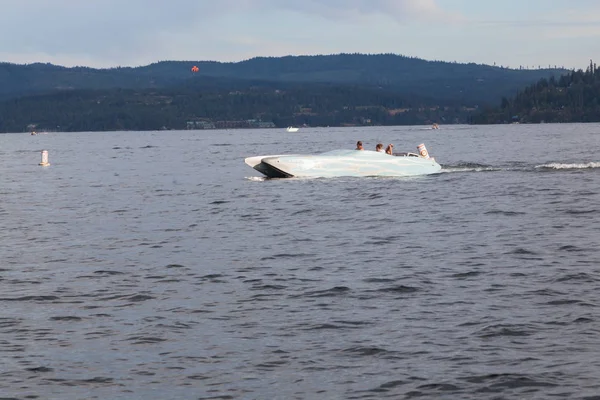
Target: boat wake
{"type": "Point", "coordinates": [556, 166]}
{"type": "Point", "coordinates": [256, 178]}
{"type": "Point", "coordinates": [468, 167]}
{"type": "Point", "coordinates": [473, 167]}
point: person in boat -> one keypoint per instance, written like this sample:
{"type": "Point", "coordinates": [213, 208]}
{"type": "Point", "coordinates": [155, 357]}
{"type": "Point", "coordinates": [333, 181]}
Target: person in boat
{"type": "Point", "coordinates": [379, 147]}
{"type": "Point", "coordinates": [359, 145]}
{"type": "Point", "coordinates": [389, 149]}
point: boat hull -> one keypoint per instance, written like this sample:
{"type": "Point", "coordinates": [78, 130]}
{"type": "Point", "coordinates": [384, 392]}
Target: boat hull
{"type": "Point", "coordinates": [340, 163]}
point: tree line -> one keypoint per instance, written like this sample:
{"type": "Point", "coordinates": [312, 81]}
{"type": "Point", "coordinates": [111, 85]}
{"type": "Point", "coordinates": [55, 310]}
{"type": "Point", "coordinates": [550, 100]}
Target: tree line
{"type": "Point", "coordinates": [472, 84]}
{"type": "Point", "coordinates": [346, 89]}
{"type": "Point", "coordinates": [154, 109]}
{"type": "Point", "coordinates": [573, 97]}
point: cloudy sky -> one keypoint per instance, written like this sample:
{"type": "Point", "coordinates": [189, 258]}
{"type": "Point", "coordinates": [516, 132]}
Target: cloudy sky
{"type": "Point", "coordinates": [107, 33]}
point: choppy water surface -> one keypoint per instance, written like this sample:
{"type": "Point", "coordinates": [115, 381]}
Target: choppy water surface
{"type": "Point", "coordinates": [155, 265]}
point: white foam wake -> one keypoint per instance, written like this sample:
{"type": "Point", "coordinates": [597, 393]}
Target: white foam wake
{"type": "Point", "coordinates": [468, 169]}
{"type": "Point", "coordinates": [570, 166]}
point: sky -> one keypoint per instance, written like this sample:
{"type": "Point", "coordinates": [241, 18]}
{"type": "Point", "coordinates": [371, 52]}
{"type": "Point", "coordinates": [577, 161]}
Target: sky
{"type": "Point", "coordinates": [111, 33]}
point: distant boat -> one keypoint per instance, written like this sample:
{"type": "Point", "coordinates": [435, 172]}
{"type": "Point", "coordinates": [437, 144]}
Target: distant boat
{"type": "Point", "coordinates": [435, 126]}
{"type": "Point", "coordinates": [292, 129]}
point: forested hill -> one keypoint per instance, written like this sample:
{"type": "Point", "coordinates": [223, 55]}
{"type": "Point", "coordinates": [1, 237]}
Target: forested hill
{"type": "Point", "coordinates": [573, 97]}
{"type": "Point", "coordinates": [469, 84]}
{"type": "Point", "coordinates": [189, 107]}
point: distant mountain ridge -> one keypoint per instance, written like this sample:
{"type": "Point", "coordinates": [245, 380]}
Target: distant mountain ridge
{"type": "Point", "coordinates": [468, 84]}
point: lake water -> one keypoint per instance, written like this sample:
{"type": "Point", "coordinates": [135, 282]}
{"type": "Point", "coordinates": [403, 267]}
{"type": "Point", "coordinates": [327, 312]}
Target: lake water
{"type": "Point", "coordinates": [157, 265]}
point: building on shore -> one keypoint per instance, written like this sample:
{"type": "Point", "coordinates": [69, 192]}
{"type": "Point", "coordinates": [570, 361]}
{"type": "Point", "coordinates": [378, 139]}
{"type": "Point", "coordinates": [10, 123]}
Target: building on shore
{"type": "Point", "coordinates": [200, 124]}
{"type": "Point", "coordinates": [239, 124]}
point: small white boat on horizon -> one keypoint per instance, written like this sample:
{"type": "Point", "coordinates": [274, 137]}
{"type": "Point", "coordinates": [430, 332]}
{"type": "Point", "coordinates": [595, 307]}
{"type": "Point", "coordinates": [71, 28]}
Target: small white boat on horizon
{"type": "Point", "coordinates": [292, 129]}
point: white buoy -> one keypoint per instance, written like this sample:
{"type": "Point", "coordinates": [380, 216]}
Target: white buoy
{"type": "Point", "coordinates": [44, 162]}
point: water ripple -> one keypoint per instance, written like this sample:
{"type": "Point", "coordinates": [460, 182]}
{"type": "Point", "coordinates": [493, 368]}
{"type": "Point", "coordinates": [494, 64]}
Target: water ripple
{"type": "Point", "coordinates": [162, 270]}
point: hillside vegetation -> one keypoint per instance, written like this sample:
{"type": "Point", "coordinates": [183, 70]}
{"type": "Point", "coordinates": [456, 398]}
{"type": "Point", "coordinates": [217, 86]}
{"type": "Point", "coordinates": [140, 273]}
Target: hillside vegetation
{"type": "Point", "coordinates": [468, 83]}
{"type": "Point", "coordinates": [334, 90]}
{"type": "Point", "coordinates": [574, 97]}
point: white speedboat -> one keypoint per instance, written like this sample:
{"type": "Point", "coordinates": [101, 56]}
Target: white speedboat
{"type": "Point", "coordinates": [292, 129]}
{"type": "Point", "coordinates": [345, 163]}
